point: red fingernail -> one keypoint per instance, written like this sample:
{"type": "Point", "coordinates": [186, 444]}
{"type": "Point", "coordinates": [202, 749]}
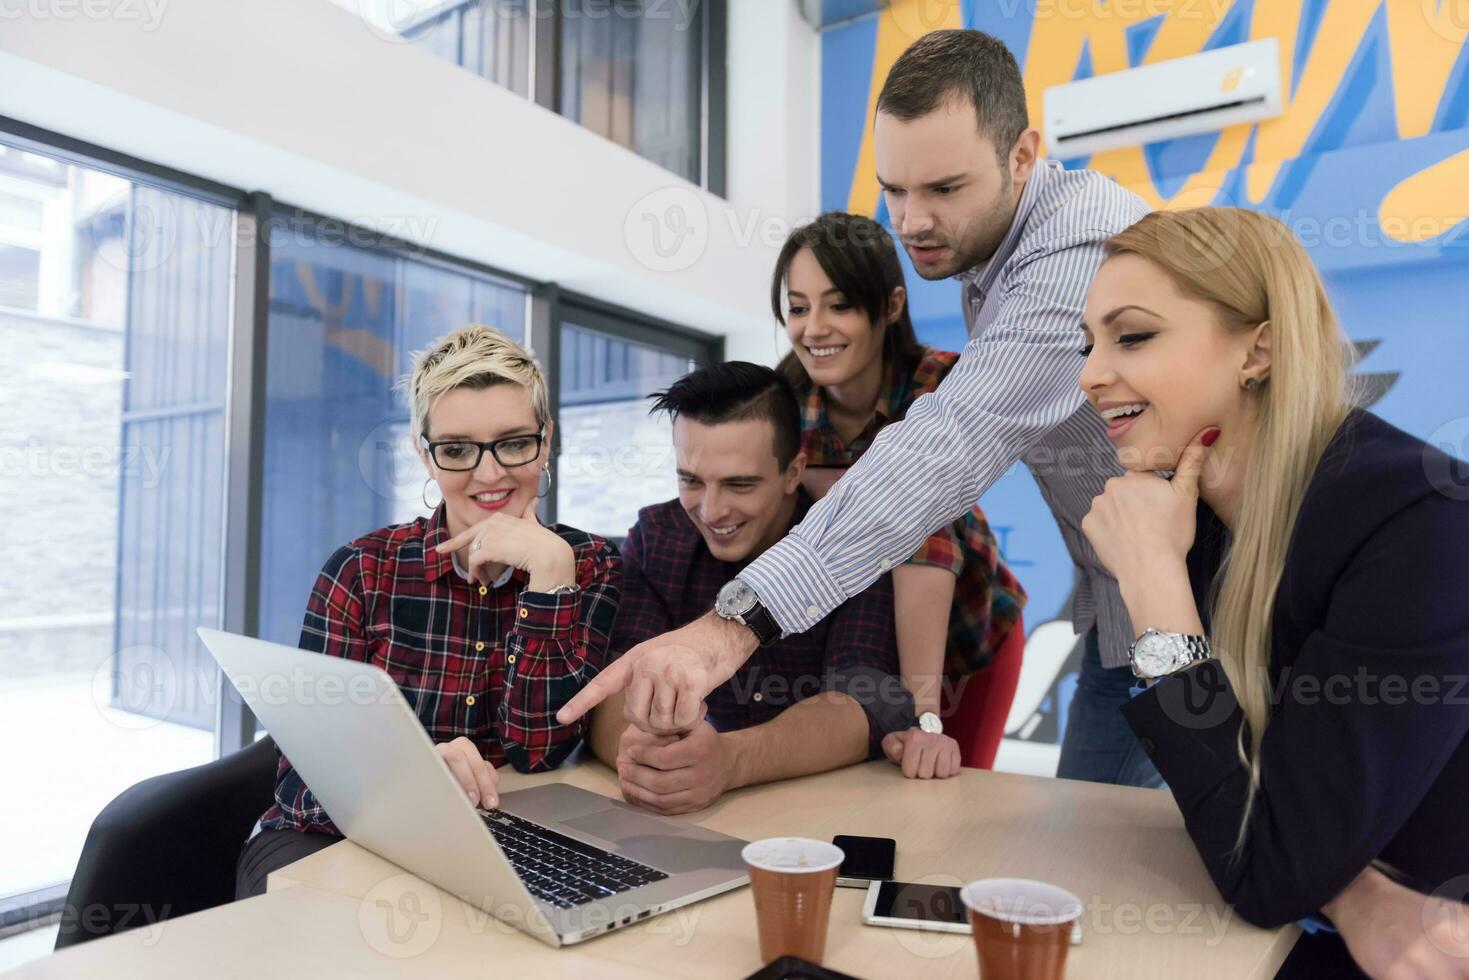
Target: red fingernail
{"type": "Point", "coordinates": [1209, 437]}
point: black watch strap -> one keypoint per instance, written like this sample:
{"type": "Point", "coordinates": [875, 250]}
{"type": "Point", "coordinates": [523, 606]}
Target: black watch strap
{"type": "Point", "coordinates": [762, 624]}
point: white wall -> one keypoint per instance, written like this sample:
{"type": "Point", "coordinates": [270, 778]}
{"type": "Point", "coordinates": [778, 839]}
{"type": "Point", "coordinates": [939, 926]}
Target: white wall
{"type": "Point", "coordinates": [301, 99]}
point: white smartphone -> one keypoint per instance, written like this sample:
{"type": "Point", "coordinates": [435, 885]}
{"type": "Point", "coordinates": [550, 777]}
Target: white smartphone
{"type": "Point", "coordinates": [936, 908]}
{"type": "Point", "coordinates": [905, 905]}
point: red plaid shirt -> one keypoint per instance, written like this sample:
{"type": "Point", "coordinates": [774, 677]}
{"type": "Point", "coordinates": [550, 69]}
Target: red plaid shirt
{"type": "Point", "coordinates": [671, 579]}
{"type": "Point", "coordinates": [988, 598]}
{"type": "Point", "coordinates": [493, 664]}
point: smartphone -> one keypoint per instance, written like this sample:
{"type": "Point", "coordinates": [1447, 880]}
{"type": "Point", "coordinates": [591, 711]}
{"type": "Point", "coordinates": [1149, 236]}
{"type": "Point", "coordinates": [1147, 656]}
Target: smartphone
{"type": "Point", "coordinates": [905, 905]}
{"type": "Point", "coordinates": [868, 859]}
{"type": "Point", "coordinates": [795, 968]}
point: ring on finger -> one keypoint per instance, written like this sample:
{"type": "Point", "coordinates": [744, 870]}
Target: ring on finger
{"type": "Point", "coordinates": [475, 545]}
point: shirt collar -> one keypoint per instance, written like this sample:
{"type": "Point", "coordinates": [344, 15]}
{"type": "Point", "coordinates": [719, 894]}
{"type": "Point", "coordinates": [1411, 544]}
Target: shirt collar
{"type": "Point", "coordinates": [436, 565]}
{"type": "Point", "coordinates": [981, 276]}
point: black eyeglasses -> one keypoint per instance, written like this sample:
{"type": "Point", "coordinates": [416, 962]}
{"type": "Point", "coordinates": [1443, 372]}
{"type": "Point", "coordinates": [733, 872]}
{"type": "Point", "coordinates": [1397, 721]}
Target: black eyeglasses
{"type": "Point", "coordinates": [457, 455]}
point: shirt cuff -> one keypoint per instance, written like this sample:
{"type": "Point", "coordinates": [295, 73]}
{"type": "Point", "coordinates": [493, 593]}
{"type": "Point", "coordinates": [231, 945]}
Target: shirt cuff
{"type": "Point", "coordinates": [1316, 923]}
{"type": "Point", "coordinates": [793, 584]}
{"type": "Point", "coordinates": [546, 614]}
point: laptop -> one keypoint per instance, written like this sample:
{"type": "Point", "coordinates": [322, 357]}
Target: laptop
{"type": "Point", "coordinates": [555, 861]}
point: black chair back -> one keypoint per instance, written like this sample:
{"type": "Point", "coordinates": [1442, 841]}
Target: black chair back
{"type": "Point", "coordinates": [168, 846]}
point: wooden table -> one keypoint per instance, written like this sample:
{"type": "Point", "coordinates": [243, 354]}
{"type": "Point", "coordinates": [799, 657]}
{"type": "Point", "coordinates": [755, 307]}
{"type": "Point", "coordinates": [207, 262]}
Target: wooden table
{"type": "Point", "coordinates": [1151, 909]}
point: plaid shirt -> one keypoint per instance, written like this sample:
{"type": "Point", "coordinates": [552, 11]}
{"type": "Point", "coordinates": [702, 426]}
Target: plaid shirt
{"type": "Point", "coordinates": [671, 579]}
{"type": "Point", "coordinates": [987, 596]}
{"type": "Point", "coordinates": [491, 663]}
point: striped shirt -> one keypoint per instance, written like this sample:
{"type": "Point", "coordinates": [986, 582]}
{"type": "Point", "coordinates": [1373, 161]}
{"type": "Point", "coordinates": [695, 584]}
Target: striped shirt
{"type": "Point", "coordinates": [1014, 395]}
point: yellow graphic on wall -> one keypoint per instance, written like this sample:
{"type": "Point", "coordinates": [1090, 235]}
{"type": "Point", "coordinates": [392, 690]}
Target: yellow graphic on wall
{"type": "Point", "coordinates": [1424, 41]}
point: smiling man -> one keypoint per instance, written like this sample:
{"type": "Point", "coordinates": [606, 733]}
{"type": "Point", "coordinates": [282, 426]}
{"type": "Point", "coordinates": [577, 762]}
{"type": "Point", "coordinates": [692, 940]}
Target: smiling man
{"type": "Point", "coordinates": [969, 198]}
{"type": "Point", "coordinates": [801, 705]}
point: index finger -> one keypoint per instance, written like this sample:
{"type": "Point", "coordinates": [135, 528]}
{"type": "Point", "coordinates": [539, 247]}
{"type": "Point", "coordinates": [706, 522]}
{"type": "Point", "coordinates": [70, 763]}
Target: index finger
{"type": "Point", "coordinates": [462, 538]}
{"type": "Point", "coordinates": [611, 680]}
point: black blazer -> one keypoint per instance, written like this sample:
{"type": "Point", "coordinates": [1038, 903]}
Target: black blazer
{"type": "Point", "coordinates": [1366, 756]}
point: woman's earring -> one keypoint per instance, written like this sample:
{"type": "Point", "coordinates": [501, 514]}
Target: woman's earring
{"type": "Point", "coordinates": [1251, 384]}
{"type": "Point", "coordinates": [424, 494]}
{"type": "Point", "coordinates": [546, 472]}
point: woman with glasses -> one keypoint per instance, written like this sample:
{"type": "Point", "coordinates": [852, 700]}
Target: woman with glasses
{"type": "Point", "coordinates": [486, 619]}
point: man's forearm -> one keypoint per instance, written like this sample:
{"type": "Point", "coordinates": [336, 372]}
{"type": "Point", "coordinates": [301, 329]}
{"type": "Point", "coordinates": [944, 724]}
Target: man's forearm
{"type": "Point", "coordinates": [821, 733]}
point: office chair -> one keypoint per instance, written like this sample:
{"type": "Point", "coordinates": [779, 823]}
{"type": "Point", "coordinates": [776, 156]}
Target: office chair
{"type": "Point", "coordinates": [168, 846]}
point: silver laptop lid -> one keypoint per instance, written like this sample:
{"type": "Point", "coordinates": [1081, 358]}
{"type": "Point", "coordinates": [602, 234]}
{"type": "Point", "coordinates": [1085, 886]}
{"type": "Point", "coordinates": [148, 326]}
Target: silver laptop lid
{"type": "Point", "coordinates": [348, 731]}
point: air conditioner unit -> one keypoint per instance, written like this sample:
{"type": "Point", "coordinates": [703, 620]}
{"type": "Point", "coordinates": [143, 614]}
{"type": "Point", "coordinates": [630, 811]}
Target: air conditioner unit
{"type": "Point", "coordinates": [1197, 94]}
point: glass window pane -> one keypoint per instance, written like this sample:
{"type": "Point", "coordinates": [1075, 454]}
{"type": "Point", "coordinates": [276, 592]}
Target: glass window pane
{"type": "Point", "coordinates": [17, 212]}
{"type": "Point", "coordinates": [615, 457]}
{"type": "Point", "coordinates": [112, 462]}
{"type": "Point", "coordinates": [630, 71]}
{"type": "Point", "coordinates": [344, 325]}
{"type": "Point", "coordinates": [20, 277]}
{"type": "Point", "coordinates": [489, 37]}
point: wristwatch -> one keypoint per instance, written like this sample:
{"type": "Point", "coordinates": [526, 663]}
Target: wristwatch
{"type": "Point", "coordinates": [1157, 653]}
{"type": "Point", "coordinates": [931, 723]}
{"type": "Point", "coordinates": [737, 601]}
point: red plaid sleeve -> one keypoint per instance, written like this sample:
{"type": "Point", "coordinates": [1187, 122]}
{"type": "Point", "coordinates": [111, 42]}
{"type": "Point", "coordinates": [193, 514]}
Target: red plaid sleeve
{"type": "Point", "coordinates": [558, 643]}
{"type": "Point", "coordinates": [333, 626]}
{"type": "Point", "coordinates": [943, 549]}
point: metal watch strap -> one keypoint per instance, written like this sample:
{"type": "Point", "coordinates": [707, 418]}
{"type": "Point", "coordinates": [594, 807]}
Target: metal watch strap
{"type": "Point", "coordinates": [1196, 648]}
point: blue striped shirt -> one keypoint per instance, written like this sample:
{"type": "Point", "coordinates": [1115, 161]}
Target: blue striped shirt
{"type": "Point", "coordinates": [1012, 396]}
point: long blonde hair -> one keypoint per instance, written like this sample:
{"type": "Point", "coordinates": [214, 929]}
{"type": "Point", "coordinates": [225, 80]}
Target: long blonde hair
{"type": "Point", "coordinates": [1250, 268]}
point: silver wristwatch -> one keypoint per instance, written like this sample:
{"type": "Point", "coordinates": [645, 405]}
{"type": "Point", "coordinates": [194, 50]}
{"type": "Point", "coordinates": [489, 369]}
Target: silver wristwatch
{"type": "Point", "coordinates": [931, 723]}
{"type": "Point", "coordinates": [1157, 654]}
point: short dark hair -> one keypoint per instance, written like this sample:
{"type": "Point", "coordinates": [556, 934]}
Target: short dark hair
{"type": "Point", "coordinates": [970, 65]}
{"type": "Point", "coordinates": [859, 257]}
{"type": "Point", "coordinates": [734, 391]}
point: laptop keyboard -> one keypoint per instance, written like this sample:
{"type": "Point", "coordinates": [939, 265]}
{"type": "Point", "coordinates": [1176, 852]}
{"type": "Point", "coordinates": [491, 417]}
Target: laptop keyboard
{"type": "Point", "coordinates": [561, 870]}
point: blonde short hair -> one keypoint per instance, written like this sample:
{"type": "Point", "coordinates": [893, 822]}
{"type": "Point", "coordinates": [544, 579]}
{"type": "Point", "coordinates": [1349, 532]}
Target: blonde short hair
{"type": "Point", "coordinates": [475, 357]}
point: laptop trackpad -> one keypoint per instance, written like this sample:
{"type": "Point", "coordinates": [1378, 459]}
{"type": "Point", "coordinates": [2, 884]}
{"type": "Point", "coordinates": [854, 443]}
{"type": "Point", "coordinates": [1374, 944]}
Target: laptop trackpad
{"type": "Point", "coordinates": [658, 842]}
{"type": "Point", "coordinates": [617, 825]}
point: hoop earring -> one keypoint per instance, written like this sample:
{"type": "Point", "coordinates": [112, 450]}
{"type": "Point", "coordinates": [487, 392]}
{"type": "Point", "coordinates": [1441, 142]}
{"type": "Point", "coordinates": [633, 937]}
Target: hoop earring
{"type": "Point", "coordinates": [423, 495]}
{"type": "Point", "coordinates": [546, 472]}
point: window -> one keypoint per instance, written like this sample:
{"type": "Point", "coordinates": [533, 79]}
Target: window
{"type": "Point", "coordinates": [614, 458]}
{"type": "Point", "coordinates": [630, 71]}
{"type": "Point", "coordinates": [646, 74]}
{"type": "Point", "coordinates": [344, 323]}
{"type": "Point", "coordinates": [115, 322]}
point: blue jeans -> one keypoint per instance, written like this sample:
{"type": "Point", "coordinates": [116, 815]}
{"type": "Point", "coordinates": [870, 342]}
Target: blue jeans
{"type": "Point", "coordinates": [1099, 745]}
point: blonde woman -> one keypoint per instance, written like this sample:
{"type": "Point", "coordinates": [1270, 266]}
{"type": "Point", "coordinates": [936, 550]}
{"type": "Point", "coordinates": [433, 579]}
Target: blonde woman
{"type": "Point", "coordinates": [1298, 589]}
{"type": "Point", "coordinates": [486, 619]}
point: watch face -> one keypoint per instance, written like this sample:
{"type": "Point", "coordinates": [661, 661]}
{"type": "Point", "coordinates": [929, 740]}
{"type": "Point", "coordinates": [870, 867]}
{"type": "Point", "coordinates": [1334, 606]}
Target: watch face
{"type": "Point", "coordinates": [735, 599]}
{"type": "Point", "coordinates": [929, 722]}
{"type": "Point", "coordinates": [1154, 654]}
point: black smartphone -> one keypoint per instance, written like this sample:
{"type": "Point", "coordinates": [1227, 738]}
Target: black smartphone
{"type": "Point", "coordinates": [868, 859]}
{"type": "Point", "coordinates": [795, 968]}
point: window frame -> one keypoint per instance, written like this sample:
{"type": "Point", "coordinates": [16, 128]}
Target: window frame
{"type": "Point", "coordinates": [547, 310]}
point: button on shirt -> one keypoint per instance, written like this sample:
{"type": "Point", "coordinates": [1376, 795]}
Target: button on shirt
{"type": "Point", "coordinates": [1013, 395]}
{"type": "Point", "coordinates": [490, 663]}
{"type": "Point", "coordinates": [671, 579]}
